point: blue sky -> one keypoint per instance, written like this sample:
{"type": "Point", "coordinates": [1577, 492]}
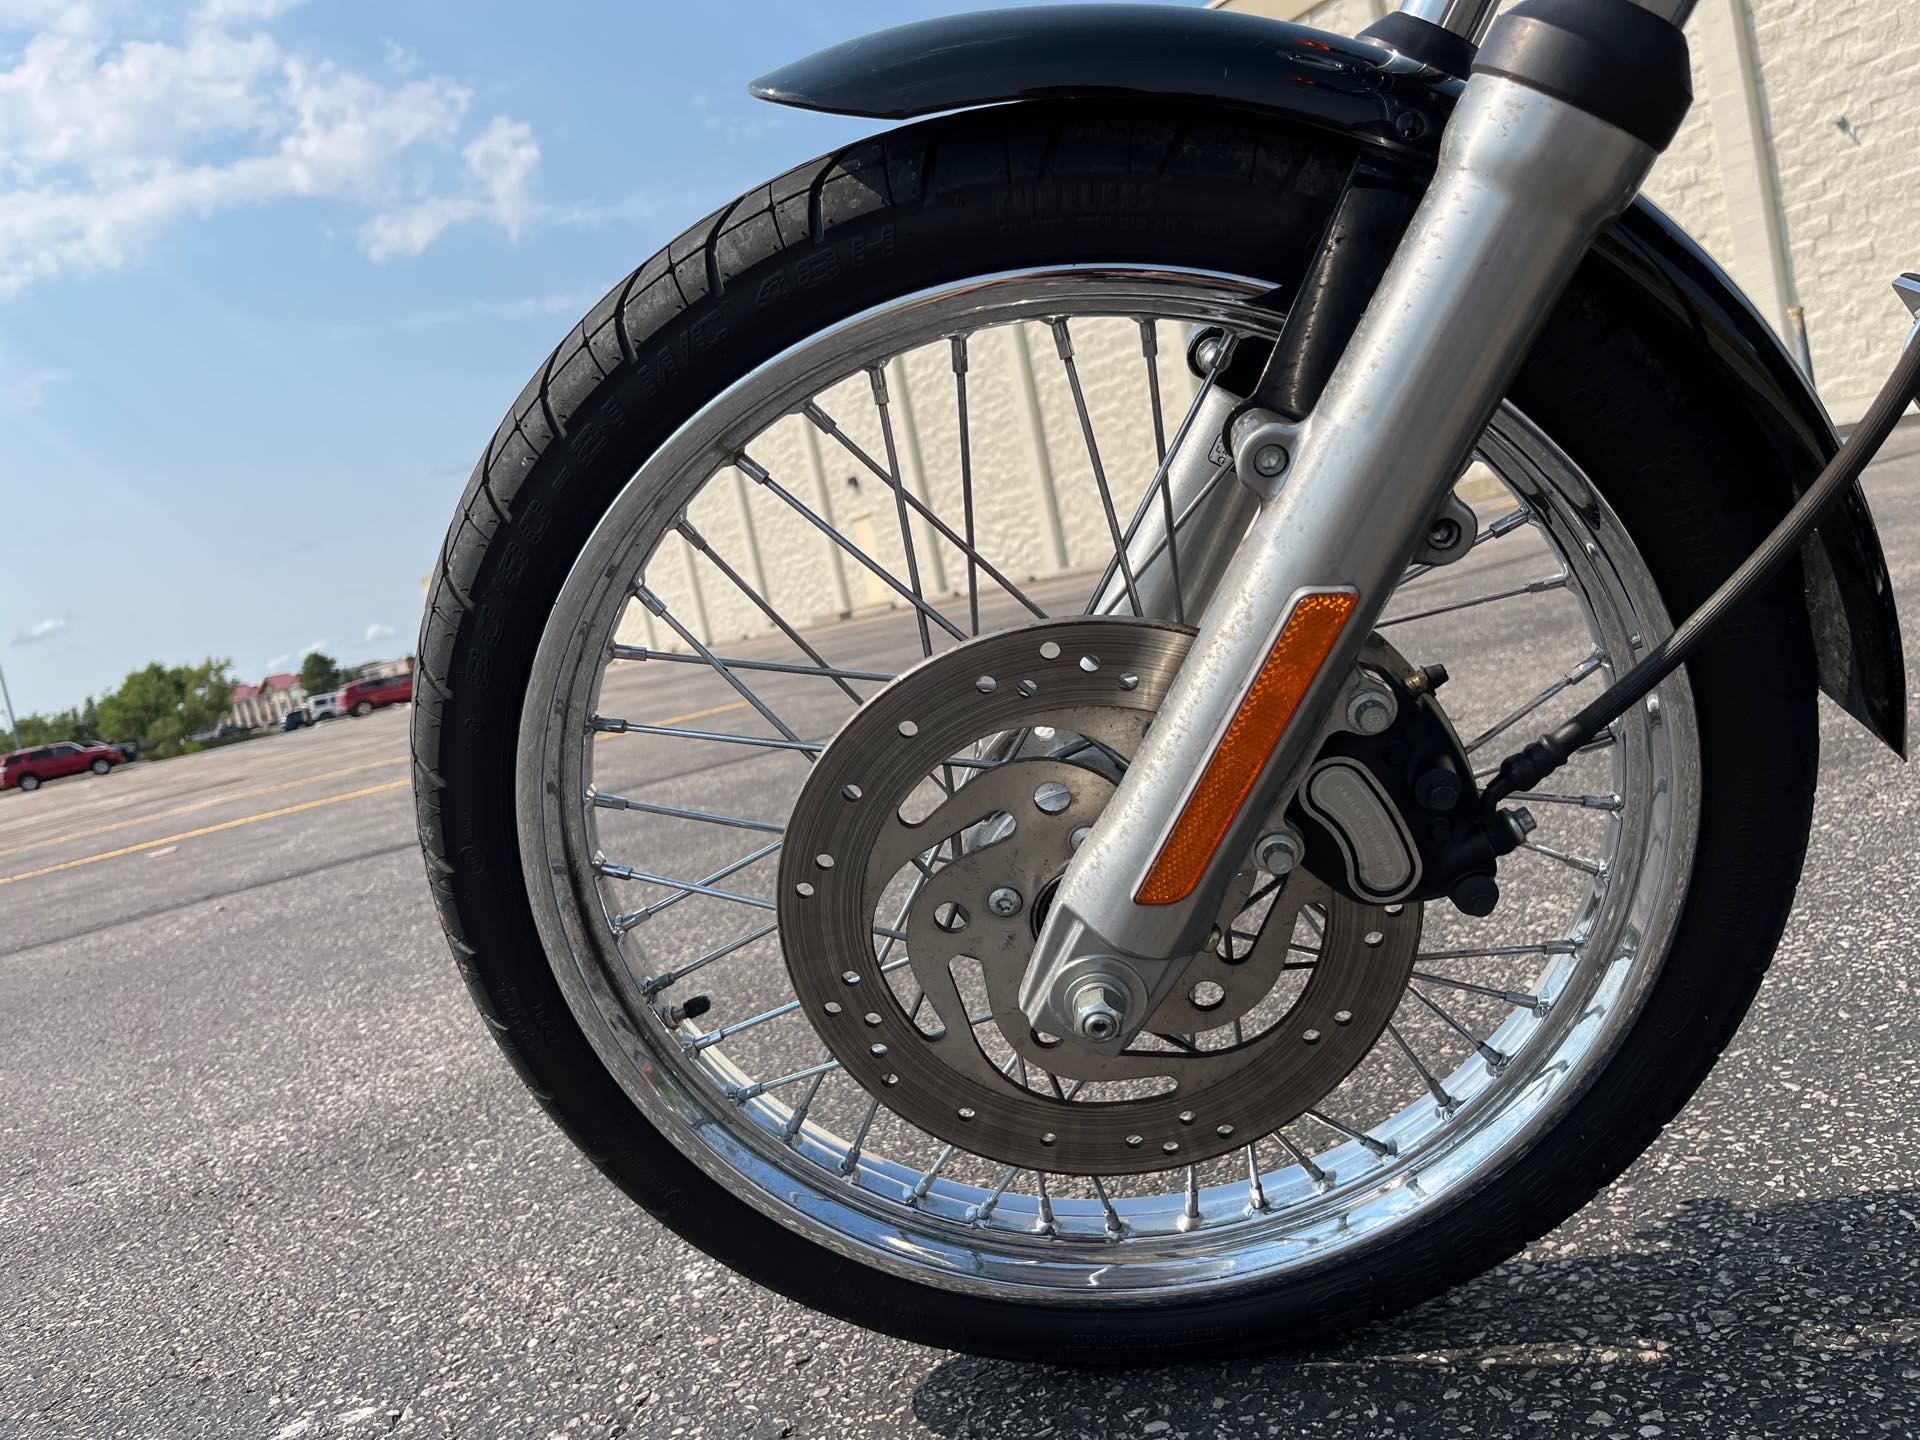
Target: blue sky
{"type": "Point", "coordinates": [271, 271]}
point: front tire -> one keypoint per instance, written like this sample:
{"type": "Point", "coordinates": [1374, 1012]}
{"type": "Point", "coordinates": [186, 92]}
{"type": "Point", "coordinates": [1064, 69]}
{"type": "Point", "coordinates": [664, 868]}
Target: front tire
{"type": "Point", "coordinates": [1032, 186]}
{"type": "Point", "coordinates": [100, 767]}
{"type": "Point", "coordinates": [29, 782]}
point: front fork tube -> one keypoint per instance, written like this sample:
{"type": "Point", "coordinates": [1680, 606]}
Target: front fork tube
{"type": "Point", "coordinates": [1525, 183]}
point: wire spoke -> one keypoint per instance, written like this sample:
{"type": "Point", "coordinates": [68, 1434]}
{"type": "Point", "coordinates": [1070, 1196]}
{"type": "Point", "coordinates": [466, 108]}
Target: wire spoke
{"type": "Point", "coordinates": [1495, 1059]}
{"type": "Point", "coordinates": [1573, 677]}
{"type": "Point", "coordinates": [1162, 481]}
{"type": "Point", "coordinates": [877, 376]}
{"type": "Point", "coordinates": [1519, 998]}
{"type": "Point", "coordinates": [740, 1094]}
{"type": "Point", "coordinates": [1322, 1179]}
{"type": "Point", "coordinates": [683, 888]}
{"type": "Point", "coordinates": [740, 687]}
{"type": "Point", "coordinates": [614, 725]}
{"type": "Point", "coordinates": [657, 983]}
{"type": "Point", "coordinates": [1484, 952]}
{"type": "Point", "coordinates": [1116, 1227]}
{"type": "Point", "coordinates": [1532, 587]}
{"type": "Point", "coordinates": [1063, 343]}
{"type": "Point", "coordinates": [798, 1117]}
{"type": "Point", "coordinates": [1505, 525]}
{"type": "Point", "coordinates": [1434, 1087]}
{"type": "Point", "coordinates": [1161, 546]}
{"type": "Point", "coordinates": [1381, 1148]}
{"type": "Point", "coordinates": [758, 473]}
{"type": "Point", "coordinates": [959, 356]}
{"type": "Point", "coordinates": [829, 426]}
{"type": "Point", "coordinates": [1595, 868]}
{"type": "Point", "coordinates": [736, 662]}
{"type": "Point", "coordinates": [1587, 802]}
{"type": "Point", "coordinates": [677, 812]}
{"type": "Point", "coordinates": [760, 602]}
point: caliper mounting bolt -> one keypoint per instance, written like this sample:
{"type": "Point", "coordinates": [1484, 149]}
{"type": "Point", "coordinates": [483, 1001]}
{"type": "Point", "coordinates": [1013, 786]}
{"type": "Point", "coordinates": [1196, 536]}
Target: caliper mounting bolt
{"type": "Point", "coordinates": [1279, 852]}
{"type": "Point", "coordinates": [1370, 712]}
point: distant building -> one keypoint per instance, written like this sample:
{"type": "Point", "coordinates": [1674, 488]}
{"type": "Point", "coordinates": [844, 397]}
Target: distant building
{"type": "Point", "coordinates": [375, 669]}
{"type": "Point", "coordinates": [265, 703]}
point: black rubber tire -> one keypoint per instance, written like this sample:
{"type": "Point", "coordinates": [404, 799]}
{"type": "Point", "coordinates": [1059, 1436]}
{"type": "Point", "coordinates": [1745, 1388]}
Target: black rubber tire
{"type": "Point", "coordinates": [100, 767]}
{"type": "Point", "coordinates": [364, 708]}
{"type": "Point", "coordinates": [1020, 186]}
{"type": "Point", "coordinates": [29, 782]}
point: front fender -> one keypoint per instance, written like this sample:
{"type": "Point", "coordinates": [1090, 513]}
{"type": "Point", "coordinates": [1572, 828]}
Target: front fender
{"type": "Point", "coordinates": [1087, 51]}
{"type": "Point", "coordinates": [1365, 92]}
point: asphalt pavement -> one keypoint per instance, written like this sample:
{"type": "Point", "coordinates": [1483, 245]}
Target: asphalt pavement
{"type": "Point", "coordinates": [264, 1174]}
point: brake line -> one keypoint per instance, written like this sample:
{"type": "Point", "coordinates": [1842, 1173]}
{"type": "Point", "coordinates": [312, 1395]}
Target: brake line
{"type": "Point", "coordinates": [1526, 768]}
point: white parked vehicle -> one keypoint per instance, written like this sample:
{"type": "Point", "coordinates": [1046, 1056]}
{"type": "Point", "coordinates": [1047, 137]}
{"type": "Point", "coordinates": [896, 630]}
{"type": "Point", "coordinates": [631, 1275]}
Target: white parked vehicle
{"type": "Point", "coordinates": [324, 707]}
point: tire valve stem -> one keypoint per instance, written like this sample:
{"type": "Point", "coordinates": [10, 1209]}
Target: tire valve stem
{"type": "Point", "coordinates": [691, 1009]}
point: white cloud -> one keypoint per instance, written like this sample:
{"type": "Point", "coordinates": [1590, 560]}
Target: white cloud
{"type": "Point", "coordinates": [570, 303]}
{"type": "Point", "coordinates": [34, 634]}
{"type": "Point", "coordinates": [280, 662]}
{"type": "Point", "coordinates": [27, 391]}
{"type": "Point", "coordinates": [501, 163]}
{"type": "Point", "coordinates": [108, 138]}
{"type": "Point", "coordinates": [377, 634]}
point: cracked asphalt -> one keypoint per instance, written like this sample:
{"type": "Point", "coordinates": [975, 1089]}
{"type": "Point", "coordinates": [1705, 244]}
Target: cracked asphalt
{"type": "Point", "coordinates": [264, 1174]}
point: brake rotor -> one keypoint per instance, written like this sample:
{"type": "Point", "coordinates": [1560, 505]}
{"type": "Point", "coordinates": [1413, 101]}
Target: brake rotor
{"type": "Point", "coordinates": [1203, 1078]}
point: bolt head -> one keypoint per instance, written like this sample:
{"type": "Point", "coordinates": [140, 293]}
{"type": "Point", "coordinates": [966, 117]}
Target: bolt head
{"type": "Point", "coordinates": [1438, 789]}
{"type": "Point", "coordinates": [1370, 712]}
{"type": "Point", "coordinates": [1475, 895]}
{"type": "Point", "coordinates": [1270, 459]}
{"type": "Point", "coordinates": [1445, 533]}
{"type": "Point", "coordinates": [1207, 353]}
{"type": "Point", "coordinates": [1004, 901]}
{"type": "Point", "coordinates": [1099, 1006]}
{"type": "Point", "coordinates": [1520, 820]}
{"type": "Point", "coordinates": [1278, 853]}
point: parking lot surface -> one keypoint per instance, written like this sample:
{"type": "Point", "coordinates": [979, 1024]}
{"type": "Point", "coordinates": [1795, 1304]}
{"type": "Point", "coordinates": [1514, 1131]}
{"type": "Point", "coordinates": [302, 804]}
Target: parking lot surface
{"type": "Point", "coordinates": [264, 1174]}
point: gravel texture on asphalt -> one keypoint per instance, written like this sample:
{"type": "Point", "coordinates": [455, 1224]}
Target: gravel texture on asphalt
{"type": "Point", "coordinates": [263, 1173]}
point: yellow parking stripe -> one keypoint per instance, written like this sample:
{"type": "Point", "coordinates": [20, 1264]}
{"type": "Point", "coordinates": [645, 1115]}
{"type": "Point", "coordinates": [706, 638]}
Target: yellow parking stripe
{"type": "Point", "coordinates": [266, 815]}
{"type": "Point", "coordinates": [202, 805]}
{"type": "Point", "coordinates": [204, 830]}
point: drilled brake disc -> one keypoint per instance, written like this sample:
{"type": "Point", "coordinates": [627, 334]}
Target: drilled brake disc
{"type": "Point", "coordinates": [1208, 1075]}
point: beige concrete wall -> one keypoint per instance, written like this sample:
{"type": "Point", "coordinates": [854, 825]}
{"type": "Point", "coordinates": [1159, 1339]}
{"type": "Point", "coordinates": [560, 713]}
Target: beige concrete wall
{"type": "Point", "coordinates": [1800, 209]}
{"type": "Point", "coordinates": [1037, 510]}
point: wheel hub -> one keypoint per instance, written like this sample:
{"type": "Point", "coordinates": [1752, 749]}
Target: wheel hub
{"type": "Point", "coordinates": [1242, 1046]}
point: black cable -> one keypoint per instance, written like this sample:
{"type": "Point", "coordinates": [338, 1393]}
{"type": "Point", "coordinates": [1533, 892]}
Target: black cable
{"type": "Point", "coordinates": [1526, 768]}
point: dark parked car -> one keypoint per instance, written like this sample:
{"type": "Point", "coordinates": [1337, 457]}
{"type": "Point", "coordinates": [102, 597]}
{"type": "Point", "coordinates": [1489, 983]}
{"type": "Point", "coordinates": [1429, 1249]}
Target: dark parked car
{"type": "Point", "coordinates": [365, 696]}
{"type": "Point", "coordinates": [30, 769]}
{"type": "Point", "coordinates": [294, 719]}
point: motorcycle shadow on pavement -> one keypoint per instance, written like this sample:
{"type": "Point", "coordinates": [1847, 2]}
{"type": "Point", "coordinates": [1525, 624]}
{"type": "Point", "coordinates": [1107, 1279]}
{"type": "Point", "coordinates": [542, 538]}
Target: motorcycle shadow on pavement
{"type": "Point", "coordinates": [1799, 1318]}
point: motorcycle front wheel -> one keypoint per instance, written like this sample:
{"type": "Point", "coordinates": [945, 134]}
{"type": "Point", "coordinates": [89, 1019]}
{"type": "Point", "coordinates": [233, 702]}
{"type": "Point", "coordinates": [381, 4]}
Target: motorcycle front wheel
{"type": "Point", "coordinates": [918, 395]}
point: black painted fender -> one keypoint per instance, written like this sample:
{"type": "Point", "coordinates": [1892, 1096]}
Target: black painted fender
{"type": "Point", "coordinates": [1366, 92]}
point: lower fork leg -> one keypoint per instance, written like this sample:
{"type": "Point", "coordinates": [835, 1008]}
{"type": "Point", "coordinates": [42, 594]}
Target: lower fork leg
{"type": "Point", "coordinates": [1526, 180]}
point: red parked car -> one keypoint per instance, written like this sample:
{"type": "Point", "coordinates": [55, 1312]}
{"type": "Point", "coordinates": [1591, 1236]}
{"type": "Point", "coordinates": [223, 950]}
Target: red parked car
{"type": "Point", "coordinates": [365, 696]}
{"type": "Point", "coordinates": [29, 769]}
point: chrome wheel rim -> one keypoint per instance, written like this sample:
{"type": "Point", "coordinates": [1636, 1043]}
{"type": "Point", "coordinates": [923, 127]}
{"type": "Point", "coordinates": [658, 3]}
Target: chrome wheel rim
{"type": "Point", "coordinates": [1487, 1057]}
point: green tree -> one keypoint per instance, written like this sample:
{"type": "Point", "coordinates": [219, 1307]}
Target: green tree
{"type": "Point", "coordinates": [74, 723]}
{"type": "Point", "coordinates": [319, 673]}
{"type": "Point", "coordinates": [161, 705]}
